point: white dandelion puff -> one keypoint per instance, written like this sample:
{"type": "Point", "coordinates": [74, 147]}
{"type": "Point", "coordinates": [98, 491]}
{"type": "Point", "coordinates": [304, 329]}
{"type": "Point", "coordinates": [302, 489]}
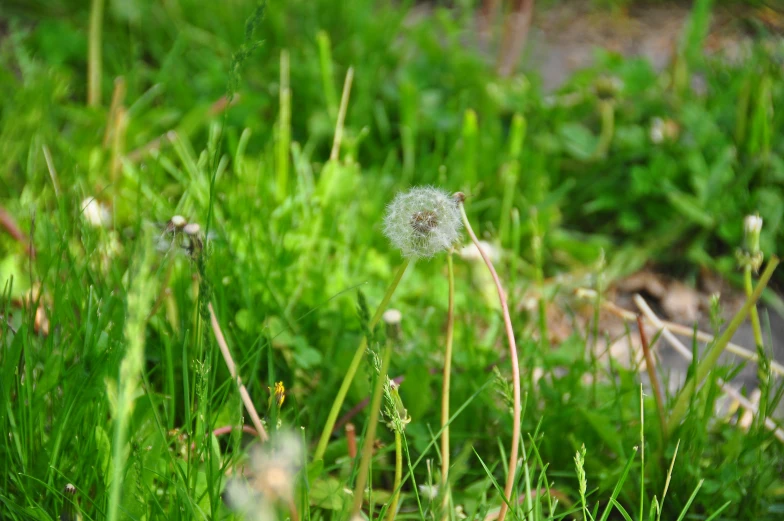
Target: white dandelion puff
{"type": "Point", "coordinates": [269, 479]}
{"type": "Point", "coordinates": [423, 221]}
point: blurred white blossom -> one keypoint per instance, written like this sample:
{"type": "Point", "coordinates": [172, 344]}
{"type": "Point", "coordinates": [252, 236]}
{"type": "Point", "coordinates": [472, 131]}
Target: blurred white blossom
{"type": "Point", "coordinates": [95, 213]}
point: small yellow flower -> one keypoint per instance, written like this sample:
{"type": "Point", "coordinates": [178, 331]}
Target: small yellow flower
{"type": "Point", "coordinates": [279, 393]}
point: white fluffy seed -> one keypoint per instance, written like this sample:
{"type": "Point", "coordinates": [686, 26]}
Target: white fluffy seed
{"type": "Point", "coordinates": [191, 229]}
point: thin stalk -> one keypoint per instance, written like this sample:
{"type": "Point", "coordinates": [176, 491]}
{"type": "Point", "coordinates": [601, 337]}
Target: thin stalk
{"type": "Point", "coordinates": [284, 128]}
{"type": "Point", "coordinates": [352, 368]}
{"type": "Point", "coordinates": [370, 436]}
{"type": "Point", "coordinates": [392, 510]}
{"type": "Point", "coordinates": [335, 153]}
{"type": "Point", "coordinates": [327, 73]}
{"type": "Point", "coordinates": [510, 478]}
{"type": "Point", "coordinates": [246, 399]}
{"type": "Point", "coordinates": [118, 97]}
{"type": "Point", "coordinates": [450, 326]}
{"type": "Point", "coordinates": [536, 246]}
{"type": "Point", "coordinates": [94, 54]}
{"type": "Point", "coordinates": [52, 170]}
{"type": "Point", "coordinates": [755, 321]}
{"type": "Point", "coordinates": [657, 391]}
{"type": "Point", "coordinates": [118, 144]}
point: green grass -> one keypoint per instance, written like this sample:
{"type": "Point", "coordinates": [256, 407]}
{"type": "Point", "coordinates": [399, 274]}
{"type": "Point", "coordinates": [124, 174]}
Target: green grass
{"type": "Point", "coordinates": [122, 394]}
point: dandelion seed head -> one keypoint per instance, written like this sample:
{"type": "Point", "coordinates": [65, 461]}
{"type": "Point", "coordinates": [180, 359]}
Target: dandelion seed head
{"type": "Point", "coordinates": [392, 316]}
{"type": "Point", "coordinates": [422, 221]}
{"type": "Point", "coordinates": [268, 480]}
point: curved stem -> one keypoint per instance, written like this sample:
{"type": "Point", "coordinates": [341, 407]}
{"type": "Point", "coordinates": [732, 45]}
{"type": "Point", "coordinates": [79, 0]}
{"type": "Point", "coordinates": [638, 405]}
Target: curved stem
{"type": "Point", "coordinates": [450, 326]}
{"type": "Point", "coordinates": [370, 436]}
{"type": "Point", "coordinates": [510, 478]}
{"type": "Point", "coordinates": [352, 368]}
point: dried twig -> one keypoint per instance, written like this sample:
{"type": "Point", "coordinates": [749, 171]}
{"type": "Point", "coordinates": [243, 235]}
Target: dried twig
{"type": "Point", "coordinates": [224, 347]}
{"type": "Point", "coordinates": [652, 375]}
{"type": "Point", "coordinates": [515, 36]}
{"type": "Point", "coordinates": [688, 333]}
{"type": "Point", "coordinates": [686, 353]}
{"type": "Point", "coordinates": [9, 224]}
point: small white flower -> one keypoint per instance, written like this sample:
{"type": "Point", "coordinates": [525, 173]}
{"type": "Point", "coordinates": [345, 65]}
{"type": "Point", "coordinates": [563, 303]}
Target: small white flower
{"type": "Point", "coordinates": [429, 492]}
{"type": "Point", "coordinates": [95, 213]}
{"type": "Point", "coordinates": [657, 131]}
{"type": "Point", "coordinates": [752, 224]}
{"type": "Point", "coordinates": [423, 221]}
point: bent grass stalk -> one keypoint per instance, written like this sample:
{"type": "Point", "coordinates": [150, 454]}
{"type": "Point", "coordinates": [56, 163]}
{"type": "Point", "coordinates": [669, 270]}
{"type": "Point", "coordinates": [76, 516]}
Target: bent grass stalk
{"type": "Point", "coordinates": [246, 399]}
{"type": "Point", "coordinates": [510, 478]}
{"type": "Point", "coordinates": [352, 368]}
{"type": "Point", "coordinates": [450, 326]}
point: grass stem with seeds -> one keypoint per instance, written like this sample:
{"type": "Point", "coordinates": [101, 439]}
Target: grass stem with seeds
{"type": "Point", "coordinates": [370, 436]}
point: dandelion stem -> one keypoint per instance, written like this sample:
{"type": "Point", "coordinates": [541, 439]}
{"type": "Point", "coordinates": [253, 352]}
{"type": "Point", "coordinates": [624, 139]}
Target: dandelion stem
{"type": "Point", "coordinates": [755, 321]}
{"type": "Point", "coordinates": [392, 510]}
{"type": "Point", "coordinates": [352, 368]}
{"type": "Point", "coordinates": [450, 326]}
{"type": "Point", "coordinates": [370, 436]}
{"type": "Point", "coordinates": [510, 478]}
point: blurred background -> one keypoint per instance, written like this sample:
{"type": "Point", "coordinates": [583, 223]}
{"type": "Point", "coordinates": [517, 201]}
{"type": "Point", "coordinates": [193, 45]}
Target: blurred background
{"type": "Point", "coordinates": [613, 145]}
